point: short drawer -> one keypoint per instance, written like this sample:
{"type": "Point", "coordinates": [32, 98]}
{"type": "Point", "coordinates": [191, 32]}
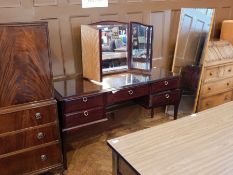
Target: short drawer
{"type": "Point", "coordinates": [228, 70]}
{"type": "Point", "coordinates": [27, 118]}
{"type": "Point", "coordinates": [165, 85]}
{"type": "Point", "coordinates": [216, 87]}
{"type": "Point", "coordinates": [211, 73]}
{"type": "Point", "coordinates": [32, 160]}
{"type": "Point", "coordinates": [165, 98]}
{"type": "Point", "coordinates": [82, 103]}
{"type": "Point", "coordinates": [28, 138]}
{"type": "Point", "coordinates": [83, 117]}
{"type": "Point", "coordinates": [215, 100]}
{"type": "Point", "coordinates": [127, 94]}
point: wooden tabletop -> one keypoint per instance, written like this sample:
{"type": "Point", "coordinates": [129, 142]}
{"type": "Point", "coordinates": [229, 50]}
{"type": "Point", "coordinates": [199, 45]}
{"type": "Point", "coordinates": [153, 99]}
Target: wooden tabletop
{"type": "Point", "coordinates": [194, 145]}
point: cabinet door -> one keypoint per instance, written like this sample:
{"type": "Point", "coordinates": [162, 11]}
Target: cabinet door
{"type": "Point", "coordinates": [25, 68]}
{"type": "Point", "coordinates": [141, 37]}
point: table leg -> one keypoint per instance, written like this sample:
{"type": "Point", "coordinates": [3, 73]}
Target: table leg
{"type": "Point", "coordinates": [114, 163]}
{"type": "Point", "coordinates": [176, 106]}
{"type": "Point", "coordinates": [152, 112]}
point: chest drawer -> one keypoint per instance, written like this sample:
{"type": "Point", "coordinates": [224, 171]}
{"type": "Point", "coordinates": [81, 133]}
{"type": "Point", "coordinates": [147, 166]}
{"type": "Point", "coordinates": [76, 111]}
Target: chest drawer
{"type": "Point", "coordinates": [216, 86]}
{"type": "Point", "coordinates": [215, 100]}
{"type": "Point", "coordinates": [165, 98]}
{"type": "Point", "coordinates": [83, 102]}
{"type": "Point", "coordinates": [211, 73]}
{"type": "Point", "coordinates": [27, 118]}
{"type": "Point", "coordinates": [127, 94]}
{"type": "Point", "coordinates": [228, 70]}
{"type": "Point", "coordinates": [28, 138]}
{"type": "Point", "coordinates": [165, 85]}
{"type": "Point", "coordinates": [83, 117]}
{"type": "Point", "coordinates": [30, 161]}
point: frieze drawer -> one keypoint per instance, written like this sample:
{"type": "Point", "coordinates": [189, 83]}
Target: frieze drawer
{"type": "Point", "coordinates": [28, 138]}
{"type": "Point", "coordinates": [30, 161]}
{"type": "Point", "coordinates": [165, 98]}
{"type": "Point", "coordinates": [83, 102]}
{"type": "Point", "coordinates": [165, 85]}
{"type": "Point", "coordinates": [83, 117]}
{"type": "Point", "coordinates": [127, 94]}
{"type": "Point", "coordinates": [27, 118]}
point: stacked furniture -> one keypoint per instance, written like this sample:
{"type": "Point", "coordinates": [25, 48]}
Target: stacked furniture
{"type": "Point", "coordinates": [29, 129]}
{"type": "Point", "coordinates": [217, 80]}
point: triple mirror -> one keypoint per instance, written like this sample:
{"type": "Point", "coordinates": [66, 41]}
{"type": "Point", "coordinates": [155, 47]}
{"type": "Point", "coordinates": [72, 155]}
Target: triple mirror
{"type": "Point", "coordinates": [191, 45]}
{"type": "Point", "coordinates": [111, 47]}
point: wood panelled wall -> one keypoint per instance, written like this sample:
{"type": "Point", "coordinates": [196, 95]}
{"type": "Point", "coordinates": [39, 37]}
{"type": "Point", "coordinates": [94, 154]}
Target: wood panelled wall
{"type": "Point", "coordinates": [66, 16]}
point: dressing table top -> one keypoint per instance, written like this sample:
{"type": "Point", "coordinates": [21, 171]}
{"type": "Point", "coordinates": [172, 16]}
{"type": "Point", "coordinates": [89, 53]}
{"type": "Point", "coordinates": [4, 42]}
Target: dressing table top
{"type": "Point", "coordinates": [78, 86]}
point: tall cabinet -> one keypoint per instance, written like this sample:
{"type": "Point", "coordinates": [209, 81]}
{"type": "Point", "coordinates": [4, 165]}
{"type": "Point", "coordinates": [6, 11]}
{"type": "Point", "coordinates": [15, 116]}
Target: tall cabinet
{"type": "Point", "coordinates": [29, 130]}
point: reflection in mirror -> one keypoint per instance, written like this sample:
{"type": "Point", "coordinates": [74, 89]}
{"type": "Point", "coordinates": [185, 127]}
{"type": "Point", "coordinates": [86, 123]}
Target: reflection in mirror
{"type": "Point", "coordinates": [114, 36]}
{"type": "Point", "coordinates": [141, 45]}
{"type": "Point", "coordinates": [193, 35]}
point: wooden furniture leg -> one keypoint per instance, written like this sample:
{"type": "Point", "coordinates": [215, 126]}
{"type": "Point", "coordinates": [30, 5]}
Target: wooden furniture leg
{"type": "Point", "coordinates": [152, 112]}
{"type": "Point", "coordinates": [176, 106]}
{"type": "Point", "coordinates": [114, 163]}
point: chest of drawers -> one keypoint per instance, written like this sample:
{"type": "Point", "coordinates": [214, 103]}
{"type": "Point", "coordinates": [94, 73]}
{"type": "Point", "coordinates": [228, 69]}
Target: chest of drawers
{"type": "Point", "coordinates": [29, 128]}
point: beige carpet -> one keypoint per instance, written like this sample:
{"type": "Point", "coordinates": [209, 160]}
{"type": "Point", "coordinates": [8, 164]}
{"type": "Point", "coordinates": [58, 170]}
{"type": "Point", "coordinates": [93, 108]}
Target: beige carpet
{"type": "Point", "coordinates": [88, 153]}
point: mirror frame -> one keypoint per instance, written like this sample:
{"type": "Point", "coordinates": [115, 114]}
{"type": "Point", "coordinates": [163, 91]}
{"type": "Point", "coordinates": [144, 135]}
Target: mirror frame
{"type": "Point", "coordinates": [148, 46]}
{"type": "Point", "coordinates": [100, 43]}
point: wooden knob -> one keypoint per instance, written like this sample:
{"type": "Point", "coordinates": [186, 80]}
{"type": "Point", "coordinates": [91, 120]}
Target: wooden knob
{"type": "Point", "coordinates": [228, 84]}
{"type": "Point", "coordinates": [209, 88]}
{"type": "Point", "coordinates": [166, 83]}
{"type": "Point", "coordinates": [43, 157]}
{"type": "Point", "coordinates": [229, 70]}
{"type": "Point", "coordinates": [40, 135]}
{"type": "Point", "coordinates": [167, 96]}
{"type": "Point", "coordinates": [86, 113]}
{"type": "Point", "coordinates": [211, 73]}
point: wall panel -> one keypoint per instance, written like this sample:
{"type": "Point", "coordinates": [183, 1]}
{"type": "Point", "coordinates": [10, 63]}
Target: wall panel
{"type": "Point", "coordinates": [66, 16]}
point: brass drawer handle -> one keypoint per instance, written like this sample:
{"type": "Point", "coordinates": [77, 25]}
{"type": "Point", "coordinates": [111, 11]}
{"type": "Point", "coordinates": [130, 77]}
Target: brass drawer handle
{"type": "Point", "coordinates": [86, 113]}
{"type": "Point", "coordinates": [130, 92]}
{"type": "Point", "coordinates": [167, 96]}
{"type": "Point", "coordinates": [43, 157]}
{"type": "Point", "coordinates": [40, 135]}
{"type": "Point", "coordinates": [38, 116]}
{"type": "Point", "coordinates": [84, 99]}
{"type": "Point", "coordinates": [165, 83]}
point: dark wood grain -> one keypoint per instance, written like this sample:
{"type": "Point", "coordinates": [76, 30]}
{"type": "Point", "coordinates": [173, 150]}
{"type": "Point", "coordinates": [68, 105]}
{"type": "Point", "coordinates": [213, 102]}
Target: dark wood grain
{"type": "Point", "coordinates": [83, 102]}
{"type": "Point", "coordinates": [25, 68]}
{"type": "Point", "coordinates": [165, 84]}
{"type": "Point", "coordinates": [127, 94]}
{"type": "Point", "coordinates": [30, 161]}
{"type": "Point", "coordinates": [82, 117]}
{"type": "Point", "coordinates": [26, 118]}
{"type": "Point", "coordinates": [28, 138]}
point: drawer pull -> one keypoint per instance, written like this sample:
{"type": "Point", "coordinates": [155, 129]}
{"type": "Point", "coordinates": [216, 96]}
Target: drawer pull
{"type": "Point", "coordinates": [86, 113]}
{"type": "Point", "coordinates": [130, 92]}
{"type": "Point", "coordinates": [38, 116]}
{"type": "Point", "coordinates": [84, 99]}
{"type": "Point", "coordinates": [229, 70]}
{"type": "Point", "coordinates": [228, 84]}
{"type": "Point", "coordinates": [43, 157]}
{"type": "Point", "coordinates": [209, 88]}
{"type": "Point", "coordinates": [40, 135]}
{"type": "Point", "coordinates": [167, 96]}
{"type": "Point", "coordinates": [165, 83]}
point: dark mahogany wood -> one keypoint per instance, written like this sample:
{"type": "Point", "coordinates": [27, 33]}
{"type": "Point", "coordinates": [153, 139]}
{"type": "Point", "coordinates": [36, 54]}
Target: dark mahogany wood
{"type": "Point", "coordinates": [82, 117]}
{"type": "Point", "coordinates": [28, 138]}
{"type": "Point", "coordinates": [30, 161]}
{"type": "Point", "coordinates": [25, 68]}
{"type": "Point", "coordinates": [83, 102]}
{"type": "Point", "coordinates": [127, 94]}
{"type": "Point", "coordinates": [165, 84]}
{"type": "Point", "coordinates": [27, 118]}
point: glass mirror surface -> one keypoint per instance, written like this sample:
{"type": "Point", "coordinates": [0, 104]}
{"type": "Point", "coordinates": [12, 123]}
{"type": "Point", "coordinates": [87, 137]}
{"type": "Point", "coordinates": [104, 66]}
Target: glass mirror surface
{"type": "Point", "coordinates": [114, 46]}
{"type": "Point", "coordinates": [191, 45]}
{"type": "Point", "coordinates": [141, 46]}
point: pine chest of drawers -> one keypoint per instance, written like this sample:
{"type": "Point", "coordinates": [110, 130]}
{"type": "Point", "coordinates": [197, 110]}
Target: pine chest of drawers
{"type": "Point", "coordinates": [29, 129]}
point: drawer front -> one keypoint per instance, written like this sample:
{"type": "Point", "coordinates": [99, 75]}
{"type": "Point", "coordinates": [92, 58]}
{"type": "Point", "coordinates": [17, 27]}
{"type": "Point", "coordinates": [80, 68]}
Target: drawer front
{"type": "Point", "coordinates": [217, 86]}
{"type": "Point", "coordinates": [165, 85]}
{"type": "Point", "coordinates": [31, 160]}
{"type": "Point", "coordinates": [27, 118]}
{"type": "Point", "coordinates": [211, 73]}
{"type": "Point", "coordinates": [28, 138]}
{"type": "Point", "coordinates": [83, 117]}
{"type": "Point", "coordinates": [215, 100]}
{"type": "Point", "coordinates": [82, 103]}
{"type": "Point", "coordinates": [127, 94]}
{"type": "Point", "coordinates": [166, 98]}
{"type": "Point", "coordinates": [228, 70]}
